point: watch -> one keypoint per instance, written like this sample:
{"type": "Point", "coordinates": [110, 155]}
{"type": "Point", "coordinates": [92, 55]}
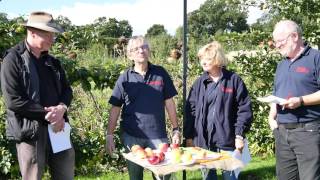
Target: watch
{"type": "Point", "coordinates": [239, 137]}
{"type": "Point", "coordinates": [64, 106]}
{"type": "Point", "coordinates": [301, 101]}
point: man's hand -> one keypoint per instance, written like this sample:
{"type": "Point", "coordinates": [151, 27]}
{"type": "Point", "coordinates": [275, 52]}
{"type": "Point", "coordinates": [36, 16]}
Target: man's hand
{"type": "Point", "coordinates": [58, 126]}
{"type": "Point", "coordinates": [292, 103]}
{"type": "Point", "coordinates": [273, 123]}
{"type": "Point", "coordinates": [176, 137]}
{"type": "Point", "coordinates": [55, 113]}
{"type": "Point", "coordinates": [55, 117]}
{"type": "Point", "coordinates": [189, 143]}
{"type": "Point", "coordinates": [110, 144]}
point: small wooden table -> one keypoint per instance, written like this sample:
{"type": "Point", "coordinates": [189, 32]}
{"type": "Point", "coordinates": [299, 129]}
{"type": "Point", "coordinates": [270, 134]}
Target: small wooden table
{"type": "Point", "coordinates": [225, 163]}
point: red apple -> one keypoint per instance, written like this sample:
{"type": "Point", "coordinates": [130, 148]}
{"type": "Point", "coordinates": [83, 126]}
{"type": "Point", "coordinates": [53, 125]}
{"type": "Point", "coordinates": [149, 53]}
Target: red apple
{"type": "Point", "coordinates": [161, 156]}
{"type": "Point", "coordinates": [163, 147]}
{"type": "Point", "coordinates": [154, 160]}
{"type": "Point", "coordinates": [174, 146]}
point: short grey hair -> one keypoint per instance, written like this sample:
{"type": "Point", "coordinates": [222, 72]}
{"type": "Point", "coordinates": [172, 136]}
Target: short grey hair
{"type": "Point", "coordinates": [288, 26]}
{"type": "Point", "coordinates": [133, 40]}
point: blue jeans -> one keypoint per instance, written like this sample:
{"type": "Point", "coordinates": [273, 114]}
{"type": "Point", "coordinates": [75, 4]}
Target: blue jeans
{"type": "Point", "coordinates": [298, 152]}
{"type": "Point", "coordinates": [136, 171]}
{"type": "Point", "coordinates": [227, 175]}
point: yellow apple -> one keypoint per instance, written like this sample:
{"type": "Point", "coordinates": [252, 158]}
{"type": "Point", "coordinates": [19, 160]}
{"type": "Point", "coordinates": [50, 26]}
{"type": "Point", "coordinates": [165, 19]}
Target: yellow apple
{"type": "Point", "coordinates": [175, 155]}
{"type": "Point", "coordinates": [186, 157]}
{"type": "Point", "coordinates": [135, 148]}
{"type": "Point", "coordinates": [141, 153]}
{"type": "Point", "coordinates": [202, 154]}
{"type": "Point", "coordinates": [149, 152]}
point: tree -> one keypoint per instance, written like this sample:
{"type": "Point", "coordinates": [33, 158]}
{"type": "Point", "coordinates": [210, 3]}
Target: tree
{"type": "Point", "coordinates": [112, 27]}
{"type": "Point", "coordinates": [3, 17]}
{"type": "Point", "coordinates": [217, 15]}
{"type": "Point", "coordinates": [155, 30]}
{"type": "Point", "coordinates": [304, 12]}
{"type": "Point", "coordinates": [11, 31]}
{"type": "Point", "coordinates": [64, 22]}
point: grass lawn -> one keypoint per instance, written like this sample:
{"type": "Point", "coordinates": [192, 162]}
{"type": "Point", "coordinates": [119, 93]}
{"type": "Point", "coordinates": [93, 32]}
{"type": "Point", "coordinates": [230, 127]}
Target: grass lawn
{"type": "Point", "coordinates": [258, 169]}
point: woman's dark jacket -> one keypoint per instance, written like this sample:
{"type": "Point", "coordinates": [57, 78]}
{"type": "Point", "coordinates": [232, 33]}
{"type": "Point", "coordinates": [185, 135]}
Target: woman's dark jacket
{"type": "Point", "coordinates": [232, 115]}
{"type": "Point", "coordinates": [20, 88]}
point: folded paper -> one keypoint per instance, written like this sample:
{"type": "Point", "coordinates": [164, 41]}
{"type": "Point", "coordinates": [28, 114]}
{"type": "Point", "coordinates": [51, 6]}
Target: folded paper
{"type": "Point", "coordinates": [60, 141]}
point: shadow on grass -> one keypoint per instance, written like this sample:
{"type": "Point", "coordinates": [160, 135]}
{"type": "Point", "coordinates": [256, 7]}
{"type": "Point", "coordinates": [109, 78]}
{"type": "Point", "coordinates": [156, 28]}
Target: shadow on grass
{"type": "Point", "coordinates": [259, 173]}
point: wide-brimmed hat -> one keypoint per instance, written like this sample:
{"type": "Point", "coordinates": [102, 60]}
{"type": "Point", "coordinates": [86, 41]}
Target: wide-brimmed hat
{"type": "Point", "coordinates": [43, 21]}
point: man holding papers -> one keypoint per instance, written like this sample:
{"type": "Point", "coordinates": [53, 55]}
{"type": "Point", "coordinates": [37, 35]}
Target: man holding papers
{"type": "Point", "coordinates": [37, 93]}
{"type": "Point", "coordinates": [296, 121]}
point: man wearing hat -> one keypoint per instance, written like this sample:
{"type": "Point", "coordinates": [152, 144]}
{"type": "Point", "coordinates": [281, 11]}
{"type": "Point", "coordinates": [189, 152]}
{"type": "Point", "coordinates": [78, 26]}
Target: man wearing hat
{"type": "Point", "coordinates": [36, 94]}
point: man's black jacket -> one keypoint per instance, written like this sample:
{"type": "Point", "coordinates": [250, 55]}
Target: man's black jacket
{"type": "Point", "coordinates": [21, 92]}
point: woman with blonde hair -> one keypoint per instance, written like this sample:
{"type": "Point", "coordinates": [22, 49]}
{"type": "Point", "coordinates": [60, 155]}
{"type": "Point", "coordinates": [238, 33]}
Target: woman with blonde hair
{"type": "Point", "coordinates": [218, 108]}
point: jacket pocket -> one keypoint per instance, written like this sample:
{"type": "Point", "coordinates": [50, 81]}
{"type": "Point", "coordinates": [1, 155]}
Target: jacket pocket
{"type": "Point", "coordinates": [29, 129]}
{"type": "Point", "coordinates": [21, 129]}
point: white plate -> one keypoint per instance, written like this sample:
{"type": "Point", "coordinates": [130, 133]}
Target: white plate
{"type": "Point", "coordinates": [187, 163]}
{"type": "Point", "coordinates": [210, 156]}
{"type": "Point", "coordinates": [213, 156]}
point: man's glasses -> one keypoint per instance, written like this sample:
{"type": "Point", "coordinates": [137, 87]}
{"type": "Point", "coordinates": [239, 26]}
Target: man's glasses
{"type": "Point", "coordinates": [281, 41]}
{"type": "Point", "coordinates": [143, 47]}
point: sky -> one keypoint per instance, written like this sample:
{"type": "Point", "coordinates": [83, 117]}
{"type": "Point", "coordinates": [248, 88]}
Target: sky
{"type": "Point", "coordinates": [141, 14]}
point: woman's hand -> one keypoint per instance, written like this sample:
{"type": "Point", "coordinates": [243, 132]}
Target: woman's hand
{"type": "Point", "coordinates": [239, 143]}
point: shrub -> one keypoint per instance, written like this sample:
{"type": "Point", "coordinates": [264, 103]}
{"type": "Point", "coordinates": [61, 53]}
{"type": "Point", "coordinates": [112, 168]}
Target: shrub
{"type": "Point", "coordinates": [258, 73]}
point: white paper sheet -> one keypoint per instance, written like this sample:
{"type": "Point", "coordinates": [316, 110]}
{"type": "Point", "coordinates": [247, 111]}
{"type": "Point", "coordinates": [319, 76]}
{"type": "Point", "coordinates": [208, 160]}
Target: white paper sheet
{"type": "Point", "coordinates": [245, 156]}
{"type": "Point", "coordinates": [271, 99]}
{"type": "Point", "coordinates": [60, 141]}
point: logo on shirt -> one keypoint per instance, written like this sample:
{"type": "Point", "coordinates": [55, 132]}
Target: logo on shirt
{"type": "Point", "coordinates": [156, 83]}
{"type": "Point", "coordinates": [226, 89]}
{"type": "Point", "coordinates": [302, 69]}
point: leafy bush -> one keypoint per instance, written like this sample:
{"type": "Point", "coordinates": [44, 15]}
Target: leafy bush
{"type": "Point", "coordinates": [258, 72]}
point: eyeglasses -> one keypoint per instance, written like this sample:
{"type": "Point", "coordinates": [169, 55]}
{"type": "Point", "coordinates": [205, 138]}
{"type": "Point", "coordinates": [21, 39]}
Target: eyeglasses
{"type": "Point", "coordinates": [281, 41]}
{"type": "Point", "coordinates": [143, 47]}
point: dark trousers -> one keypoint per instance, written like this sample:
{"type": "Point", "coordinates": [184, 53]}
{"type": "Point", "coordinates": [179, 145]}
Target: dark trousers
{"type": "Point", "coordinates": [34, 155]}
{"type": "Point", "coordinates": [298, 152]}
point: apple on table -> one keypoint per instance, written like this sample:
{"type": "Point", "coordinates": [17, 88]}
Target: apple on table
{"type": "Point", "coordinates": [174, 146]}
{"type": "Point", "coordinates": [154, 160]}
{"type": "Point", "coordinates": [135, 148]}
{"type": "Point", "coordinates": [175, 155]}
{"type": "Point", "coordinates": [163, 147]}
{"type": "Point", "coordinates": [187, 157]}
{"type": "Point", "coordinates": [149, 152]}
{"type": "Point", "coordinates": [141, 153]}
